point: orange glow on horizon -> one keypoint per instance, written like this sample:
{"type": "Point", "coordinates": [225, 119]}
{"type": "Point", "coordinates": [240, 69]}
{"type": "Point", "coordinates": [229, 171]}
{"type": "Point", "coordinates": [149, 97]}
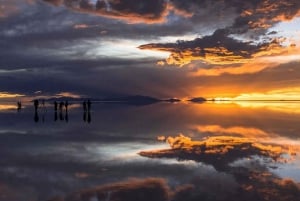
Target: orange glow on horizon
{"type": "Point", "coordinates": [7, 107]}
{"type": "Point", "coordinates": [4, 95]}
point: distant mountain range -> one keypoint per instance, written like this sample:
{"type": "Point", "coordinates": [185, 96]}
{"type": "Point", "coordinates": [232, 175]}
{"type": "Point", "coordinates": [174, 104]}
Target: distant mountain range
{"type": "Point", "coordinates": [198, 100]}
{"type": "Point", "coordinates": [130, 100]}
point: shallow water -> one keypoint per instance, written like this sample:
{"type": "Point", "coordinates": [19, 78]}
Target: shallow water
{"type": "Point", "coordinates": [44, 155]}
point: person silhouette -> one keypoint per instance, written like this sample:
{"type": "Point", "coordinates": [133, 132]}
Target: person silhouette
{"type": "Point", "coordinates": [66, 105]}
{"type": "Point", "coordinates": [89, 104]}
{"type": "Point", "coordinates": [61, 105]}
{"type": "Point", "coordinates": [84, 106]}
{"type": "Point", "coordinates": [36, 104]}
{"type": "Point", "coordinates": [19, 106]}
{"type": "Point", "coordinates": [55, 106]}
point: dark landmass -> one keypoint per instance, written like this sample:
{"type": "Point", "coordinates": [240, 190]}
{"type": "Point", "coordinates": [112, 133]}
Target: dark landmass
{"type": "Point", "coordinates": [70, 99]}
{"type": "Point", "coordinates": [134, 100]}
{"type": "Point", "coordinates": [172, 100]}
{"type": "Point", "coordinates": [198, 100]}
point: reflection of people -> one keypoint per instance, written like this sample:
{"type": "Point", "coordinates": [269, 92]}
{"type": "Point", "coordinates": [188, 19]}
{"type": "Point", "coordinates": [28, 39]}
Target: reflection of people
{"type": "Point", "coordinates": [55, 106]}
{"type": "Point", "coordinates": [84, 105]}
{"type": "Point", "coordinates": [84, 116]}
{"type": "Point", "coordinates": [66, 105]}
{"type": "Point", "coordinates": [55, 116]}
{"type": "Point", "coordinates": [89, 104]}
{"type": "Point", "coordinates": [36, 116]}
{"type": "Point", "coordinates": [67, 116]}
{"type": "Point", "coordinates": [61, 105]}
{"type": "Point", "coordinates": [89, 118]}
{"type": "Point", "coordinates": [61, 117]}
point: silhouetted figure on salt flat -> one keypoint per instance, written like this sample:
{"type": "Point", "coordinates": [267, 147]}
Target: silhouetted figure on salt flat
{"type": "Point", "coordinates": [89, 104]}
{"type": "Point", "coordinates": [66, 105]}
{"type": "Point", "coordinates": [19, 106]}
{"type": "Point", "coordinates": [55, 106]}
{"type": "Point", "coordinates": [61, 105]}
{"type": "Point", "coordinates": [36, 104]}
{"type": "Point", "coordinates": [84, 106]}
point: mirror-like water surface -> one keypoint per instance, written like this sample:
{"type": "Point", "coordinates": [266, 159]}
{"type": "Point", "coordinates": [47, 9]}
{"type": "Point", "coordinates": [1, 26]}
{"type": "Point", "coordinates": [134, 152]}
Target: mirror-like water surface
{"type": "Point", "coordinates": [184, 151]}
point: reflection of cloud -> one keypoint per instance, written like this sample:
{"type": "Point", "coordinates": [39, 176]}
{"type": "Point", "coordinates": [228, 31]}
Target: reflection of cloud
{"type": "Point", "coordinates": [283, 107]}
{"type": "Point", "coordinates": [262, 185]}
{"type": "Point", "coordinates": [237, 130]}
{"type": "Point", "coordinates": [151, 189]}
{"type": "Point", "coordinates": [217, 151]}
{"type": "Point", "coordinates": [253, 185]}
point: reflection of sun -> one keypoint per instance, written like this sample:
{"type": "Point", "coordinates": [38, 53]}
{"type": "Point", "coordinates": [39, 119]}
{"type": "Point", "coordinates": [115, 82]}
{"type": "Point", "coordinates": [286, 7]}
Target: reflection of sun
{"type": "Point", "coordinates": [217, 99]}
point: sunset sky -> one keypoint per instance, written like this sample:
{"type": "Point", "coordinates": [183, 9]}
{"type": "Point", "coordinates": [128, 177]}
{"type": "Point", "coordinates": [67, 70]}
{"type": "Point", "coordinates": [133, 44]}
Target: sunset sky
{"type": "Point", "coordinates": [162, 48]}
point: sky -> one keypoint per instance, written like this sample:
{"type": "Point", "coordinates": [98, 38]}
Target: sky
{"type": "Point", "coordinates": [163, 48]}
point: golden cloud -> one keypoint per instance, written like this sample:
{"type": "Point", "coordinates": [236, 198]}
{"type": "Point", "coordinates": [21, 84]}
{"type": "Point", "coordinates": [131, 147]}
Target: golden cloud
{"type": "Point", "coordinates": [219, 151]}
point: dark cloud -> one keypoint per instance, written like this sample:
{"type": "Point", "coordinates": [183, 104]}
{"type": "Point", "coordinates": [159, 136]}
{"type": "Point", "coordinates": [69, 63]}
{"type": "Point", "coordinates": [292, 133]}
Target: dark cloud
{"type": "Point", "coordinates": [254, 14]}
{"type": "Point", "coordinates": [128, 10]}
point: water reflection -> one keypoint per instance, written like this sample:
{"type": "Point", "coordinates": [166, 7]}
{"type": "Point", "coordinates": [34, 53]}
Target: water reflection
{"type": "Point", "coordinates": [63, 112]}
{"type": "Point", "coordinates": [247, 153]}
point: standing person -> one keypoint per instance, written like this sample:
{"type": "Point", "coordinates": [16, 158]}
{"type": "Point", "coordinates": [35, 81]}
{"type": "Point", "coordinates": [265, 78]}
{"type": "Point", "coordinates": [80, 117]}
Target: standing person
{"type": "Point", "coordinates": [89, 104]}
{"type": "Point", "coordinates": [55, 106]}
{"type": "Point", "coordinates": [66, 105]}
{"type": "Point", "coordinates": [84, 106]}
{"type": "Point", "coordinates": [61, 105]}
{"type": "Point", "coordinates": [19, 106]}
{"type": "Point", "coordinates": [36, 104]}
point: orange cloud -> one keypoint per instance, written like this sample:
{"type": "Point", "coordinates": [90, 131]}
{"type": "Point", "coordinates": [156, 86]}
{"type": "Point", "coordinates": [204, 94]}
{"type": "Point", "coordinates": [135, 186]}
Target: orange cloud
{"type": "Point", "coordinates": [216, 49]}
{"type": "Point", "coordinates": [236, 130]}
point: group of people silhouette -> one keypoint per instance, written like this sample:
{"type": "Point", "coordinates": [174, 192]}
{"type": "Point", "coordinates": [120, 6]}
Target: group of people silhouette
{"type": "Point", "coordinates": [60, 110]}
{"type": "Point", "coordinates": [63, 111]}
